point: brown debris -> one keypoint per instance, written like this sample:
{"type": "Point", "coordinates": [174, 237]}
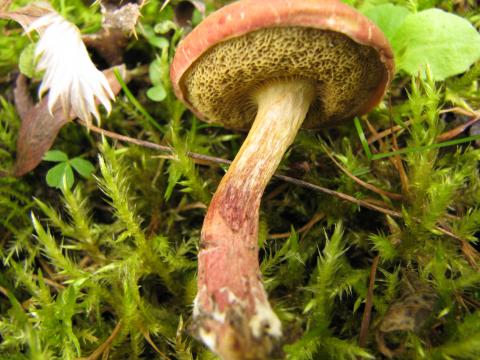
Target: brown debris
{"type": "Point", "coordinates": [26, 15]}
{"type": "Point", "coordinates": [104, 348]}
{"type": "Point", "coordinates": [39, 127]}
{"type": "Point", "coordinates": [409, 313]}
{"type": "Point", "coordinates": [472, 123]}
{"type": "Point", "coordinates": [367, 313]}
{"type": "Point", "coordinates": [118, 25]}
{"type": "Point", "coordinates": [391, 195]}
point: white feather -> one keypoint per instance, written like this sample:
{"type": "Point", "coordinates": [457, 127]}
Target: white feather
{"type": "Point", "coordinates": [70, 76]}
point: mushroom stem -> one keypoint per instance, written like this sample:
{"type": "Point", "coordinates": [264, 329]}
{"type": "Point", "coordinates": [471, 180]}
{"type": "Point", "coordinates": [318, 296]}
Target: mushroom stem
{"type": "Point", "coordinates": [233, 316]}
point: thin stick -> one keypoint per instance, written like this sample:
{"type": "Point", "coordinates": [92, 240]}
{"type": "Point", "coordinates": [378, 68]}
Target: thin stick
{"type": "Point", "coordinates": [151, 145]}
{"type": "Point", "coordinates": [58, 287]}
{"type": "Point", "coordinates": [339, 195]}
{"type": "Point", "coordinates": [288, 179]}
{"type": "Point", "coordinates": [102, 348]}
{"type": "Point", "coordinates": [458, 130]}
{"type": "Point", "coordinates": [394, 160]}
{"type": "Point", "coordinates": [397, 160]}
{"type": "Point", "coordinates": [212, 159]}
{"type": "Point", "coordinates": [475, 116]}
{"type": "Point", "coordinates": [147, 337]}
{"type": "Point", "coordinates": [359, 181]}
{"type": "Point", "coordinates": [316, 218]}
{"type": "Point", "coordinates": [367, 313]}
{"type": "Point", "coordinates": [462, 111]}
{"type": "Point", "coordinates": [4, 291]}
{"type": "Point", "coordinates": [385, 133]}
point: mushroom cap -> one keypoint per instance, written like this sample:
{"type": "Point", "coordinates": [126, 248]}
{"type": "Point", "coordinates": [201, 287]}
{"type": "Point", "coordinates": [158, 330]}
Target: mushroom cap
{"type": "Point", "coordinates": [219, 66]}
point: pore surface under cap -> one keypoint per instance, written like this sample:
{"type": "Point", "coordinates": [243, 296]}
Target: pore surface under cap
{"type": "Point", "coordinates": [246, 16]}
{"type": "Point", "coordinates": [222, 83]}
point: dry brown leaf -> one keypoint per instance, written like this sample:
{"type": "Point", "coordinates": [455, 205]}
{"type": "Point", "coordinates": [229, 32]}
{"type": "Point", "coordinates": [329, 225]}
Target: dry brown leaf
{"type": "Point", "coordinates": [39, 128]}
{"type": "Point", "coordinates": [409, 313]}
{"type": "Point", "coordinates": [26, 15]}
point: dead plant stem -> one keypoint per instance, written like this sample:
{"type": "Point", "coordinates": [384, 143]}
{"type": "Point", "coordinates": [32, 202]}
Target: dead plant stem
{"type": "Point", "coordinates": [212, 159]}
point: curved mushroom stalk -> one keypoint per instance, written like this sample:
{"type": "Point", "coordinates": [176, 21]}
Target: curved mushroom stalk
{"type": "Point", "coordinates": [232, 311]}
{"type": "Point", "coordinates": [339, 65]}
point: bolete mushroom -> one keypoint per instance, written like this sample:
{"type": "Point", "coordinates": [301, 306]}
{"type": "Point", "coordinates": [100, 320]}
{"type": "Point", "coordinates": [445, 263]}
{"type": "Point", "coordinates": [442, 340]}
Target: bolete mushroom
{"type": "Point", "coordinates": [270, 65]}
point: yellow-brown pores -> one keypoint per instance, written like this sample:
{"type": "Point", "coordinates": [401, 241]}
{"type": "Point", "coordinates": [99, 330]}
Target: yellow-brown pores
{"type": "Point", "coordinates": [222, 82]}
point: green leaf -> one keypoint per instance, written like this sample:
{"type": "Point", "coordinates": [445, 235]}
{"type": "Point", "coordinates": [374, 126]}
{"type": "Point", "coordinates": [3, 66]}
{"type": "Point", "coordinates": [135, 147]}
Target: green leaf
{"type": "Point", "coordinates": [153, 39]}
{"type": "Point", "coordinates": [55, 156]}
{"type": "Point", "coordinates": [82, 166]}
{"type": "Point", "coordinates": [157, 93]}
{"type": "Point", "coordinates": [448, 43]}
{"type": "Point", "coordinates": [197, 17]}
{"type": "Point", "coordinates": [174, 175]}
{"type": "Point", "coordinates": [156, 71]}
{"type": "Point", "coordinates": [26, 63]}
{"type": "Point", "coordinates": [56, 175]}
{"type": "Point", "coordinates": [164, 27]}
{"type": "Point", "coordinates": [363, 138]}
{"type": "Point", "coordinates": [159, 42]}
{"type": "Point", "coordinates": [388, 17]}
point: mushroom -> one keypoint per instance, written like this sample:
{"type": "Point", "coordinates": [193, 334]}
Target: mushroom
{"type": "Point", "coordinates": [270, 65]}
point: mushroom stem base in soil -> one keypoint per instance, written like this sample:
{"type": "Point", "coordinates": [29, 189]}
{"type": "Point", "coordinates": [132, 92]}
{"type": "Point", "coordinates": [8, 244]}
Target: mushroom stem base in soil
{"type": "Point", "coordinates": [232, 313]}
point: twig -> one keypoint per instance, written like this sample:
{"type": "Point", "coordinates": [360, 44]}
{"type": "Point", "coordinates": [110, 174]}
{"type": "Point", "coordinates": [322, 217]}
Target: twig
{"type": "Point", "coordinates": [86, 260]}
{"type": "Point", "coordinates": [359, 181]}
{"type": "Point", "coordinates": [339, 195]}
{"type": "Point", "coordinates": [102, 348]}
{"type": "Point", "coordinates": [458, 130]}
{"type": "Point", "coordinates": [316, 218]}
{"type": "Point", "coordinates": [462, 111]}
{"type": "Point", "coordinates": [164, 5]}
{"type": "Point", "coordinates": [151, 145]}
{"type": "Point", "coordinates": [474, 115]}
{"type": "Point", "coordinates": [394, 160]}
{"type": "Point", "coordinates": [213, 159]}
{"type": "Point", "coordinates": [385, 133]}
{"type": "Point", "coordinates": [147, 337]}
{"type": "Point", "coordinates": [288, 179]}
{"type": "Point", "coordinates": [367, 313]}
{"type": "Point", "coordinates": [3, 291]}
{"type": "Point", "coordinates": [471, 254]}
{"type": "Point", "coordinates": [275, 192]}
{"type": "Point", "coordinates": [397, 160]}
{"type": "Point", "coordinates": [50, 272]}
{"type": "Point", "coordinates": [50, 282]}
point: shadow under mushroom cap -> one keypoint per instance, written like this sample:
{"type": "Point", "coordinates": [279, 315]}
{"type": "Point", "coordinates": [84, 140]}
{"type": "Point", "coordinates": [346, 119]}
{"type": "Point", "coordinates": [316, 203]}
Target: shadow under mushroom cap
{"type": "Point", "coordinates": [222, 83]}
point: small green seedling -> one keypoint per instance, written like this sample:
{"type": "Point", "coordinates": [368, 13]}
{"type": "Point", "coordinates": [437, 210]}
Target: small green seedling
{"type": "Point", "coordinates": [159, 69]}
{"type": "Point", "coordinates": [64, 169]}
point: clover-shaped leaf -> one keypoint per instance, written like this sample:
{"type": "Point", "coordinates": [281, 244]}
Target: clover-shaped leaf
{"type": "Point", "coordinates": [62, 175]}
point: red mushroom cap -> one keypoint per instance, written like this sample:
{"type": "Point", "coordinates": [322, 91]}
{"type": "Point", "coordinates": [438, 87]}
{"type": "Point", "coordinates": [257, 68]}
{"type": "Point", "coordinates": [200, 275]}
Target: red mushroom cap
{"type": "Point", "coordinates": [237, 20]}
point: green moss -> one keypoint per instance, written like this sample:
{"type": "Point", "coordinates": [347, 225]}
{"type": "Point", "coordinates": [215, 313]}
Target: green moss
{"type": "Point", "coordinates": [111, 264]}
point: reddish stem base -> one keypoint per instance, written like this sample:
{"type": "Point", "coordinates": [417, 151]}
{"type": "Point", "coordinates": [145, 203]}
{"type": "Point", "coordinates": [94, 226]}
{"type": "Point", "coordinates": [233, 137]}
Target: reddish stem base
{"type": "Point", "coordinates": [232, 313]}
